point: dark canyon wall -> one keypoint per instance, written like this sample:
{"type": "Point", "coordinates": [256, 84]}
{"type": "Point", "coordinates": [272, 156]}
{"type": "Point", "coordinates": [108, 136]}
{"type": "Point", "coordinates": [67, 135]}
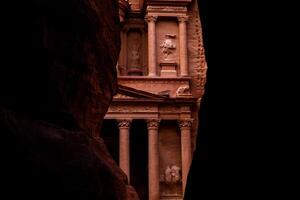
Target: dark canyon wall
{"type": "Point", "coordinates": [57, 78]}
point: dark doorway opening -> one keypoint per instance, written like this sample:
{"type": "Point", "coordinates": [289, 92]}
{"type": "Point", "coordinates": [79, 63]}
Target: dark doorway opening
{"type": "Point", "coordinates": [110, 135]}
{"type": "Point", "coordinates": [139, 158]}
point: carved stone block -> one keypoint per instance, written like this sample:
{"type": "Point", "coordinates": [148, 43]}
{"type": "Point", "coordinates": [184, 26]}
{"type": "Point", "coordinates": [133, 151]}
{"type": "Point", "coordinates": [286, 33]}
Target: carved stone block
{"type": "Point", "coordinates": [168, 69]}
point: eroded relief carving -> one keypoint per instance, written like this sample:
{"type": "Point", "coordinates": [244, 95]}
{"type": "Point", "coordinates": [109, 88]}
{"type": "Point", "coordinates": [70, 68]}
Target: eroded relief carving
{"type": "Point", "coordinates": [134, 56]}
{"type": "Point", "coordinates": [168, 46]}
{"type": "Point", "coordinates": [172, 175]}
{"type": "Point", "coordinates": [134, 64]}
{"type": "Point", "coordinates": [183, 90]}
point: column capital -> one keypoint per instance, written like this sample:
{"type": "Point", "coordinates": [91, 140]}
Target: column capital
{"type": "Point", "coordinates": [124, 123]}
{"type": "Point", "coordinates": [153, 123]}
{"type": "Point", "coordinates": [182, 18]}
{"type": "Point", "coordinates": [151, 18]}
{"type": "Point", "coordinates": [185, 123]}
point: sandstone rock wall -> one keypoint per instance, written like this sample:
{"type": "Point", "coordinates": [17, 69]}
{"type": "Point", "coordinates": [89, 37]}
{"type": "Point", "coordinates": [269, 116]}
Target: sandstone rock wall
{"type": "Point", "coordinates": [57, 79]}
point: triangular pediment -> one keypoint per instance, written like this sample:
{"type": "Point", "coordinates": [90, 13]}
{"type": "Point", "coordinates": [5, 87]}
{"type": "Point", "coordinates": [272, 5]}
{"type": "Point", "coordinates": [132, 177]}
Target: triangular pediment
{"type": "Point", "coordinates": [125, 92]}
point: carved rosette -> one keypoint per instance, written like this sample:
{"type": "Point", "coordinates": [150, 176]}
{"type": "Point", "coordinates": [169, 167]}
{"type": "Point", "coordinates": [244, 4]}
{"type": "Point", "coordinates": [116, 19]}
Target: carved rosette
{"type": "Point", "coordinates": [153, 123]}
{"type": "Point", "coordinates": [151, 18]}
{"type": "Point", "coordinates": [185, 123]}
{"type": "Point", "coordinates": [183, 18]}
{"type": "Point", "coordinates": [124, 123]}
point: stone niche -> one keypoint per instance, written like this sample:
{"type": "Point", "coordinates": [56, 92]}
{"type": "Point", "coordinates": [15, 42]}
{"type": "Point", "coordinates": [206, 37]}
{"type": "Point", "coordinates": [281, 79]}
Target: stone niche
{"type": "Point", "coordinates": [167, 47]}
{"type": "Point", "coordinates": [134, 52]}
{"type": "Point", "coordinates": [170, 160]}
{"type": "Point", "coordinates": [133, 55]}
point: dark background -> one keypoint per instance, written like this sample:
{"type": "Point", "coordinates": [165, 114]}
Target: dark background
{"type": "Point", "coordinates": [243, 147]}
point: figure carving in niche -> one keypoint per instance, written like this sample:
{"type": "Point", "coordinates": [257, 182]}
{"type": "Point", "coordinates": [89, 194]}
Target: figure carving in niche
{"type": "Point", "coordinates": [168, 46]}
{"type": "Point", "coordinates": [172, 175]}
{"type": "Point", "coordinates": [134, 65]}
{"type": "Point", "coordinates": [134, 56]}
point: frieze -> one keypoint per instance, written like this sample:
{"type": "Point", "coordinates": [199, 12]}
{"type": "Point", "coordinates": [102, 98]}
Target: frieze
{"type": "Point", "coordinates": [128, 109]}
{"type": "Point", "coordinates": [155, 81]}
{"type": "Point", "coordinates": [169, 109]}
{"type": "Point", "coordinates": [167, 8]}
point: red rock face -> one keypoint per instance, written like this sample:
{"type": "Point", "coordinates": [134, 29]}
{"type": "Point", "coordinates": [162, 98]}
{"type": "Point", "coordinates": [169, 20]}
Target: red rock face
{"type": "Point", "coordinates": [55, 88]}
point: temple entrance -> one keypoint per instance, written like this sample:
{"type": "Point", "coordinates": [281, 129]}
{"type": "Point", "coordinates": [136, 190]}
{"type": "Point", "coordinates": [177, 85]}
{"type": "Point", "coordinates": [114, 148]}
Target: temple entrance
{"type": "Point", "coordinates": [139, 157]}
{"type": "Point", "coordinates": [110, 135]}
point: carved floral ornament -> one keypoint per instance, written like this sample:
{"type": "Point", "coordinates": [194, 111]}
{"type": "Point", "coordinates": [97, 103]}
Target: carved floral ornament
{"type": "Point", "coordinates": [183, 18]}
{"type": "Point", "coordinates": [124, 123]}
{"type": "Point", "coordinates": [153, 123]}
{"type": "Point", "coordinates": [151, 18]}
{"type": "Point", "coordinates": [185, 123]}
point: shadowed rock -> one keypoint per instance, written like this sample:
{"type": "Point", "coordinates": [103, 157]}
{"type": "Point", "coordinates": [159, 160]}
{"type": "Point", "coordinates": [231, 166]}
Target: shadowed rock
{"type": "Point", "coordinates": [55, 87]}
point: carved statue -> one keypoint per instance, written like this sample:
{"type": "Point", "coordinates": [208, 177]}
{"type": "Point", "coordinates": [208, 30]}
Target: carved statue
{"type": "Point", "coordinates": [134, 65]}
{"type": "Point", "coordinates": [168, 46]}
{"type": "Point", "coordinates": [134, 58]}
{"type": "Point", "coordinates": [172, 174]}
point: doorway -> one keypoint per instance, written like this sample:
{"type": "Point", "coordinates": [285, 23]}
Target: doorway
{"type": "Point", "coordinates": [139, 157]}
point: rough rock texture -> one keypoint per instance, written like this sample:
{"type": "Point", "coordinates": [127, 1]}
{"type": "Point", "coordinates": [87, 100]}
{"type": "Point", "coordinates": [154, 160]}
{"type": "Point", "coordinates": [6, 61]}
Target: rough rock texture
{"type": "Point", "coordinates": [197, 61]}
{"type": "Point", "coordinates": [200, 177]}
{"type": "Point", "coordinates": [57, 79]}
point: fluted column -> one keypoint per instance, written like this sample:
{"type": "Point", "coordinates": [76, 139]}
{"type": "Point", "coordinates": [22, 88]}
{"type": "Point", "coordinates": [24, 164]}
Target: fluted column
{"type": "Point", "coordinates": [124, 145]}
{"type": "Point", "coordinates": [151, 45]}
{"type": "Point", "coordinates": [184, 71]}
{"type": "Point", "coordinates": [153, 159]}
{"type": "Point", "coordinates": [186, 148]}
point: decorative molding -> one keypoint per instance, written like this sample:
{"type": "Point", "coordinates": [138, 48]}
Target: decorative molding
{"type": "Point", "coordinates": [124, 123]}
{"type": "Point", "coordinates": [185, 123]}
{"type": "Point", "coordinates": [153, 123]}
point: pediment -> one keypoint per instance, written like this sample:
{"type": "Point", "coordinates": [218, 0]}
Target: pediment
{"type": "Point", "coordinates": [125, 92]}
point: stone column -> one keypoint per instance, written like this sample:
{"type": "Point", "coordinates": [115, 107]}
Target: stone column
{"type": "Point", "coordinates": [153, 159]}
{"type": "Point", "coordinates": [124, 145]}
{"type": "Point", "coordinates": [186, 149]}
{"type": "Point", "coordinates": [184, 71]}
{"type": "Point", "coordinates": [151, 45]}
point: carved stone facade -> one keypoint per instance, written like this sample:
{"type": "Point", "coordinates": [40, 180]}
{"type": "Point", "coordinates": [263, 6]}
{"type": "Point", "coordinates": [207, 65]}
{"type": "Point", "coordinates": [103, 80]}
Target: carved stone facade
{"type": "Point", "coordinates": [162, 72]}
